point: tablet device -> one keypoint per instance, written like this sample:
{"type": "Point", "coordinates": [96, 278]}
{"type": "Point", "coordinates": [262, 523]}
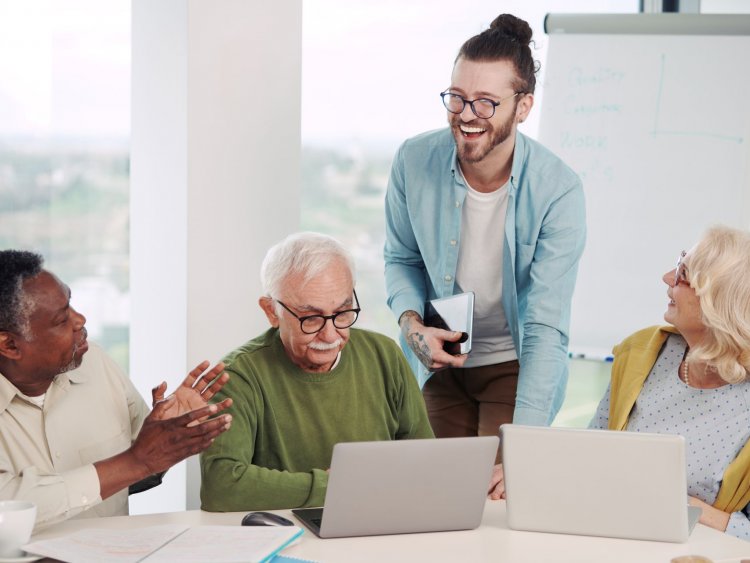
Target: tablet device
{"type": "Point", "coordinates": [452, 313]}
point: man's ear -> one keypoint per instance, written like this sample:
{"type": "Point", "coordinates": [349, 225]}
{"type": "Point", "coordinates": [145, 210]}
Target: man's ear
{"type": "Point", "coordinates": [9, 345]}
{"type": "Point", "coordinates": [524, 107]}
{"type": "Point", "coordinates": [269, 308]}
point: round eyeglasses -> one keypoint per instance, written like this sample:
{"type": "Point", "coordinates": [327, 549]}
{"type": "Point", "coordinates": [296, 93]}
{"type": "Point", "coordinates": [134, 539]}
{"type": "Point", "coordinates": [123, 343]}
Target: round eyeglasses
{"type": "Point", "coordinates": [484, 108]}
{"type": "Point", "coordinates": [311, 324]}
{"type": "Point", "coordinates": [680, 271]}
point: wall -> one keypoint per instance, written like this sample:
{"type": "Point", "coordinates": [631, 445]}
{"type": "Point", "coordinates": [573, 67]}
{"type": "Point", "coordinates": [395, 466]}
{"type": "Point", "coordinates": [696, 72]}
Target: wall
{"type": "Point", "coordinates": [215, 145]}
{"type": "Point", "coordinates": [214, 182]}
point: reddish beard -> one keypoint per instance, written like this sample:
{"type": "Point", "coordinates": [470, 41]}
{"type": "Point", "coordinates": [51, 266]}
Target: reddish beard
{"type": "Point", "coordinates": [474, 150]}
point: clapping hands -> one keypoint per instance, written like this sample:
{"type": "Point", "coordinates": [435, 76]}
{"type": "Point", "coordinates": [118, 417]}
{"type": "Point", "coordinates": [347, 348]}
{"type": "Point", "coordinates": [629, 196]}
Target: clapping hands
{"type": "Point", "coordinates": [195, 392]}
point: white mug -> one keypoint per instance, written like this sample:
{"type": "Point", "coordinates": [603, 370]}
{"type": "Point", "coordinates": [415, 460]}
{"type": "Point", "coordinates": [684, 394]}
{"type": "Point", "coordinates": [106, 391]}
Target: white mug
{"type": "Point", "coordinates": [17, 519]}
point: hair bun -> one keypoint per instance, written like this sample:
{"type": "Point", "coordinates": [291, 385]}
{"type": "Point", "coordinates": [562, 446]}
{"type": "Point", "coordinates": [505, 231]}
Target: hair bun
{"type": "Point", "coordinates": [513, 27]}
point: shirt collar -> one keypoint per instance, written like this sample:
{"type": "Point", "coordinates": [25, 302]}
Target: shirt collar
{"type": "Point", "coordinates": [77, 375]}
{"type": "Point", "coordinates": [518, 159]}
{"type": "Point", "coordinates": [338, 359]}
{"type": "Point", "coordinates": [8, 391]}
{"type": "Point", "coordinates": [456, 174]}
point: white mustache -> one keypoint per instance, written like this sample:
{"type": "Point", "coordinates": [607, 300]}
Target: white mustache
{"type": "Point", "coordinates": [325, 346]}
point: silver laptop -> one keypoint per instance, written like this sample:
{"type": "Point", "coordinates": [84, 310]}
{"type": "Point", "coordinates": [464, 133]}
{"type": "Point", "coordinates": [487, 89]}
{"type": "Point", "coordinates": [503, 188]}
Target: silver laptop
{"type": "Point", "coordinates": [404, 486]}
{"type": "Point", "coordinates": [596, 483]}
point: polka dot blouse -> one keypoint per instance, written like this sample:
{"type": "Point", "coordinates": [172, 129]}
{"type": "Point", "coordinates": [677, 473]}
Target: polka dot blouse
{"type": "Point", "coordinates": [714, 422]}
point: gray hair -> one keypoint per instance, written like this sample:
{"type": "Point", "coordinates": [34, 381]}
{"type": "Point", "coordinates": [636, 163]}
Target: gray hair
{"type": "Point", "coordinates": [16, 266]}
{"type": "Point", "coordinates": [305, 254]}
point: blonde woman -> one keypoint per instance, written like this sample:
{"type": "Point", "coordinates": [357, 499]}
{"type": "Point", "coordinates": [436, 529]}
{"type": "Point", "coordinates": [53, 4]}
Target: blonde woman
{"type": "Point", "coordinates": [691, 378]}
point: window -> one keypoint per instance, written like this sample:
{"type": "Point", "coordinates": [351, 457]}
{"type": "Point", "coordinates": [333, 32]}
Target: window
{"type": "Point", "coordinates": [371, 77]}
{"type": "Point", "coordinates": [64, 155]}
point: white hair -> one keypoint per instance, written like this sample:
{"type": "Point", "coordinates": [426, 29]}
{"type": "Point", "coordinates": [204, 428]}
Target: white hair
{"type": "Point", "coordinates": [26, 308]}
{"type": "Point", "coordinates": [304, 254]}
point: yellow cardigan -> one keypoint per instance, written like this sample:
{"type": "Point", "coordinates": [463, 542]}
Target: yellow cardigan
{"type": "Point", "coordinates": [634, 358]}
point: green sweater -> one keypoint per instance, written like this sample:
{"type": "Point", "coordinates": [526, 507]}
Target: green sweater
{"type": "Point", "coordinates": [286, 421]}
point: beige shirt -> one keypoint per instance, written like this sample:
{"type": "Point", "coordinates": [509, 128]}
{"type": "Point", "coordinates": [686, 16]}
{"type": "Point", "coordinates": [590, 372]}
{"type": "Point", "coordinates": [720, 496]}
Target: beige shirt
{"type": "Point", "coordinates": [47, 454]}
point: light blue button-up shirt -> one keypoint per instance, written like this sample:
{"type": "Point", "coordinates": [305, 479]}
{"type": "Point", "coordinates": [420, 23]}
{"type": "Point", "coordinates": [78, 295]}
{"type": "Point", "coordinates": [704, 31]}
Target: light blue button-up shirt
{"type": "Point", "coordinates": [545, 231]}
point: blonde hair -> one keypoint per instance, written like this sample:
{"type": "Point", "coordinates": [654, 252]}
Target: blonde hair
{"type": "Point", "coordinates": [719, 271]}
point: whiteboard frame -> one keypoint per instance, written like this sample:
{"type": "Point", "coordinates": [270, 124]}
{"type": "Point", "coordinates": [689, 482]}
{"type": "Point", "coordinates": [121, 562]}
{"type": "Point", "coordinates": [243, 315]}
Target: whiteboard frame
{"type": "Point", "coordinates": [648, 24]}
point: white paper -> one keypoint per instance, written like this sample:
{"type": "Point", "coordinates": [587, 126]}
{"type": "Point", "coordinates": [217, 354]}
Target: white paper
{"type": "Point", "coordinates": [225, 544]}
{"type": "Point", "coordinates": [155, 544]}
{"type": "Point", "coordinates": [94, 545]}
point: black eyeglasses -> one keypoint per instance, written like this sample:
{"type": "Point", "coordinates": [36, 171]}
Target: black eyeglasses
{"type": "Point", "coordinates": [483, 108]}
{"type": "Point", "coordinates": [680, 271]}
{"type": "Point", "coordinates": [315, 323]}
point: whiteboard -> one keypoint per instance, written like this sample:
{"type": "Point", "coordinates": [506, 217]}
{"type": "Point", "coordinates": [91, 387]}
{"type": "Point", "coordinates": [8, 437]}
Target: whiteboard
{"type": "Point", "coordinates": [658, 128]}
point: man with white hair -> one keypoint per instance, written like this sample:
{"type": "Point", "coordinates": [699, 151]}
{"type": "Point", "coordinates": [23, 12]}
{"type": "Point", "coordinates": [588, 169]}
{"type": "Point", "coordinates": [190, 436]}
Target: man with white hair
{"type": "Point", "coordinates": [305, 384]}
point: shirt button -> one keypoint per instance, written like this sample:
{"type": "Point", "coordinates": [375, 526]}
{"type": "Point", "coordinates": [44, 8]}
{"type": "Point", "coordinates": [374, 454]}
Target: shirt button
{"type": "Point", "coordinates": [57, 455]}
{"type": "Point", "coordinates": [85, 500]}
{"type": "Point", "coordinates": [458, 204]}
{"type": "Point", "coordinates": [448, 278]}
{"type": "Point", "coordinates": [453, 242]}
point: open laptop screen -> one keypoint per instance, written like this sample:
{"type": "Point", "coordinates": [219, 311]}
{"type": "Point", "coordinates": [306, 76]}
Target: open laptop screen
{"type": "Point", "coordinates": [405, 486]}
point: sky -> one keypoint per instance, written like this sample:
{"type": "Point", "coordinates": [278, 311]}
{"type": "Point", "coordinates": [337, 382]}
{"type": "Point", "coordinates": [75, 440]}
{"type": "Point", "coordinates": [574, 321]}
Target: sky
{"type": "Point", "coordinates": [372, 69]}
{"type": "Point", "coordinates": [65, 68]}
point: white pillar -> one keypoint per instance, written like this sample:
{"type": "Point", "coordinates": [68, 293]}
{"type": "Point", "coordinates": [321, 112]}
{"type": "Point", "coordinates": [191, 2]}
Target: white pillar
{"type": "Point", "coordinates": [214, 182]}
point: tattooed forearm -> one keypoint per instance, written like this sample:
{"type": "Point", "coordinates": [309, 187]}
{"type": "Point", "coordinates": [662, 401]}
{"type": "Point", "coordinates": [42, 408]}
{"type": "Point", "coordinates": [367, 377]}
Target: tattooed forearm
{"type": "Point", "coordinates": [416, 342]}
{"type": "Point", "coordinates": [414, 338]}
{"type": "Point", "coordinates": [404, 321]}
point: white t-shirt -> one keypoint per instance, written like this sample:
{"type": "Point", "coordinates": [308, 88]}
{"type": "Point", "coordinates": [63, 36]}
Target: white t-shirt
{"type": "Point", "coordinates": [480, 269]}
{"type": "Point", "coordinates": [38, 400]}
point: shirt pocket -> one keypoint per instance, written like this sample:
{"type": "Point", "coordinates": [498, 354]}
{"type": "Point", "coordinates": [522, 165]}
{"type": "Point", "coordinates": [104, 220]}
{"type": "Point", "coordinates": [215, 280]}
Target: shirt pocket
{"type": "Point", "coordinates": [104, 449]}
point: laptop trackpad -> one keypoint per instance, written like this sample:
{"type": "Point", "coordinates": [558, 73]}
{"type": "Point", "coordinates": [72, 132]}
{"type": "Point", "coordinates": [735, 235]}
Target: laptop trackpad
{"type": "Point", "coordinates": [694, 514]}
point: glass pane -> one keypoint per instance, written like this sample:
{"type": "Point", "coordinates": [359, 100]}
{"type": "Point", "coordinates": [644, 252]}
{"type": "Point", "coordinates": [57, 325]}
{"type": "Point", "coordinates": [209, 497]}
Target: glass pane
{"type": "Point", "coordinates": [64, 154]}
{"type": "Point", "coordinates": [349, 136]}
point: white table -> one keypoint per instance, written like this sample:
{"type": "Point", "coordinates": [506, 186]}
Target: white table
{"type": "Point", "coordinates": [492, 541]}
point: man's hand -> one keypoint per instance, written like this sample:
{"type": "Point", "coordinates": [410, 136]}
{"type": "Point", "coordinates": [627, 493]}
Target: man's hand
{"type": "Point", "coordinates": [193, 393]}
{"type": "Point", "coordinates": [497, 484]}
{"type": "Point", "coordinates": [161, 443]}
{"type": "Point", "coordinates": [427, 342]}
